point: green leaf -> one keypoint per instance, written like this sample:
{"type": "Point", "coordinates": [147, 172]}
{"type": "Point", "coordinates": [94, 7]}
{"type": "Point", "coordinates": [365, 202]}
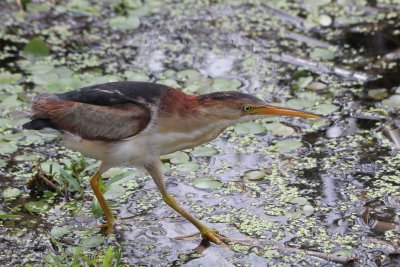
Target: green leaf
{"type": "Point", "coordinates": [114, 191]}
{"type": "Point", "coordinates": [189, 166]}
{"type": "Point", "coordinates": [59, 231]}
{"type": "Point", "coordinates": [124, 23]}
{"type": "Point", "coordinates": [203, 151]}
{"type": "Point", "coordinates": [299, 201]}
{"type": "Point", "coordinates": [73, 184]}
{"type": "Point", "coordinates": [6, 77]}
{"type": "Point", "coordinates": [322, 53]}
{"type": "Point", "coordinates": [7, 148]}
{"type": "Point", "coordinates": [254, 175]}
{"type": "Point", "coordinates": [176, 157]}
{"type": "Point", "coordinates": [37, 47]}
{"type": "Point", "coordinates": [36, 206]}
{"type": "Point", "coordinates": [207, 183]}
{"type": "Point", "coordinates": [279, 129]}
{"type": "Point", "coordinates": [287, 145]}
{"type": "Point", "coordinates": [302, 82]}
{"type": "Point", "coordinates": [10, 216]}
{"type": "Point", "coordinates": [11, 193]}
{"type": "Point", "coordinates": [249, 128]}
{"type": "Point", "coordinates": [325, 109]}
{"type": "Point", "coordinates": [392, 102]}
{"type": "Point", "coordinates": [92, 242]}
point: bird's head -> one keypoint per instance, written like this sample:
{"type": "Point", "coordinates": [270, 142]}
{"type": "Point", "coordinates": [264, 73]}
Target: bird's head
{"type": "Point", "coordinates": [243, 107]}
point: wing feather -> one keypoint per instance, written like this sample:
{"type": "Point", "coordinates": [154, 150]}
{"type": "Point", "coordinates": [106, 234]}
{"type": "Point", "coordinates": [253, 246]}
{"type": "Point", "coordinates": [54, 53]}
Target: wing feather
{"type": "Point", "coordinates": [92, 122]}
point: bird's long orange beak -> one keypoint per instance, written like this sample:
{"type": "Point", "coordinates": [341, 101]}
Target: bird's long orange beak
{"type": "Point", "coordinates": [282, 111]}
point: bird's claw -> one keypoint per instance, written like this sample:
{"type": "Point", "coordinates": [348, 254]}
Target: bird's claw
{"type": "Point", "coordinates": [108, 227]}
{"type": "Point", "coordinates": [212, 235]}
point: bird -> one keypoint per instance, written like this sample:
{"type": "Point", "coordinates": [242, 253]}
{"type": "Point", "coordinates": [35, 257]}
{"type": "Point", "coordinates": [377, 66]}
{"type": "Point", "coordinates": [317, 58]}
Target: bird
{"type": "Point", "coordinates": [135, 123]}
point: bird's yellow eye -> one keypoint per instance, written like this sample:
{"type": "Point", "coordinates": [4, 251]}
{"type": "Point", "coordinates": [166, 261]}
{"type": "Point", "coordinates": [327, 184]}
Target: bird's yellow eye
{"type": "Point", "coordinates": [247, 108]}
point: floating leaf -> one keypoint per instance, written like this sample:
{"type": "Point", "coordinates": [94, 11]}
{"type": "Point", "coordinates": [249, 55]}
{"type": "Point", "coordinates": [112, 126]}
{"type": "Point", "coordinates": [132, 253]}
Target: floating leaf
{"type": "Point", "coordinates": [36, 206]}
{"type": "Point", "coordinates": [221, 84]}
{"type": "Point", "coordinates": [392, 102]}
{"type": "Point", "coordinates": [6, 77]}
{"type": "Point", "coordinates": [308, 210]}
{"type": "Point", "coordinates": [92, 242]}
{"type": "Point", "coordinates": [203, 151]}
{"type": "Point", "coordinates": [189, 166]}
{"type": "Point", "coordinates": [325, 109]}
{"type": "Point", "coordinates": [59, 231]}
{"type": "Point", "coordinates": [11, 193]}
{"type": "Point", "coordinates": [37, 47]}
{"type": "Point", "coordinates": [136, 76]}
{"type": "Point", "coordinates": [300, 103]}
{"type": "Point", "coordinates": [299, 201]}
{"type": "Point", "coordinates": [378, 94]}
{"type": "Point", "coordinates": [207, 183]}
{"type": "Point", "coordinates": [287, 145]}
{"type": "Point", "coordinates": [115, 191]}
{"type": "Point", "coordinates": [249, 128]}
{"type": "Point", "coordinates": [279, 129]}
{"type": "Point", "coordinates": [188, 74]}
{"type": "Point", "coordinates": [302, 82]}
{"type": "Point", "coordinates": [316, 86]}
{"type": "Point", "coordinates": [176, 157]}
{"type": "Point", "coordinates": [322, 53]}
{"type": "Point", "coordinates": [124, 23]}
{"type": "Point", "coordinates": [254, 175]}
{"type": "Point", "coordinates": [7, 148]}
{"type": "Point", "coordinates": [325, 20]}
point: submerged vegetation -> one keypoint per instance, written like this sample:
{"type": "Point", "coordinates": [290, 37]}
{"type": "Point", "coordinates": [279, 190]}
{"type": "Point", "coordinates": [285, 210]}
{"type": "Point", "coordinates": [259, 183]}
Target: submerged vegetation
{"type": "Point", "coordinates": [321, 192]}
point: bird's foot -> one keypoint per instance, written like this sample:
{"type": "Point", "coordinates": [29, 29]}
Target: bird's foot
{"type": "Point", "coordinates": [108, 227]}
{"type": "Point", "coordinates": [212, 235]}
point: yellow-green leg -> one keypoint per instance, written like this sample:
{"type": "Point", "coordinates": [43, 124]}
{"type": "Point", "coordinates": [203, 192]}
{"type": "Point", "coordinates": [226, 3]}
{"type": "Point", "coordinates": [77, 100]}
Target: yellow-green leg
{"type": "Point", "coordinates": [110, 220]}
{"type": "Point", "coordinates": [154, 168]}
{"type": "Point", "coordinates": [206, 232]}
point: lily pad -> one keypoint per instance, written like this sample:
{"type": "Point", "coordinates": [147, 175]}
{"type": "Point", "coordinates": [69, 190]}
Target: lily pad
{"type": "Point", "coordinates": [189, 166]}
{"type": "Point", "coordinates": [299, 201]}
{"type": "Point", "coordinates": [249, 128]}
{"type": "Point", "coordinates": [7, 148]}
{"type": "Point", "coordinates": [124, 23]}
{"type": "Point", "coordinates": [115, 191]}
{"type": "Point", "coordinates": [287, 145]}
{"type": "Point", "coordinates": [59, 231]}
{"type": "Point", "coordinates": [36, 206]}
{"type": "Point", "coordinates": [92, 242]}
{"type": "Point", "coordinates": [37, 47]}
{"type": "Point", "coordinates": [302, 82]}
{"type": "Point", "coordinates": [392, 102]}
{"type": "Point", "coordinates": [176, 157]}
{"type": "Point", "coordinates": [300, 103]}
{"type": "Point", "coordinates": [254, 175]}
{"type": "Point", "coordinates": [6, 77]}
{"type": "Point", "coordinates": [207, 183]}
{"type": "Point", "coordinates": [11, 193]}
{"type": "Point", "coordinates": [221, 84]}
{"type": "Point", "coordinates": [279, 129]}
{"type": "Point", "coordinates": [325, 109]}
{"type": "Point", "coordinates": [378, 94]}
{"type": "Point", "coordinates": [203, 151]}
{"type": "Point", "coordinates": [322, 53]}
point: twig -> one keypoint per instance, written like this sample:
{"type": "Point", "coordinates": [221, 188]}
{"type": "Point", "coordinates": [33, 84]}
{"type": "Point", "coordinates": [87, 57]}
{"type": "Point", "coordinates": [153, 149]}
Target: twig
{"type": "Point", "coordinates": [331, 257]}
{"type": "Point", "coordinates": [285, 16]}
{"type": "Point", "coordinates": [323, 68]}
{"type": "Point", "coordinates": [305, 39]}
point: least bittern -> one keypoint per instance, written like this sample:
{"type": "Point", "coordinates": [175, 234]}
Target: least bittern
{"type": "Point", "coordinates": [134, 123]}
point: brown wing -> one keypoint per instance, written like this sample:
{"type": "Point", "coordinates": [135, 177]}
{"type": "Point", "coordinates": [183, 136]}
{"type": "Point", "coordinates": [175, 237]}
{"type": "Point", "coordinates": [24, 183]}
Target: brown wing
{"type": "Point", "coordinates": [89, 121]}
